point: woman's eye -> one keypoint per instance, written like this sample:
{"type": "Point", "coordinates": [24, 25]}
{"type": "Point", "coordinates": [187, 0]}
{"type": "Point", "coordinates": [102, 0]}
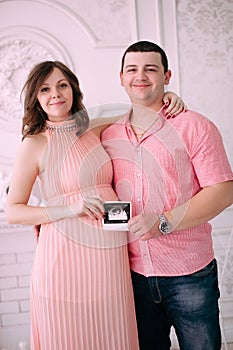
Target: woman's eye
{"type": "Point", "coordinates": [45, 89]}
{"type": "Point", "coordinates": [63, 85]}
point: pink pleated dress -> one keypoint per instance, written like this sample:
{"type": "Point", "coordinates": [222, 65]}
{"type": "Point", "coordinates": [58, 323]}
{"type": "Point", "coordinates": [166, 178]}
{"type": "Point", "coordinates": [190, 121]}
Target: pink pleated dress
{"type": "Point", "coordinates": [81, 292]}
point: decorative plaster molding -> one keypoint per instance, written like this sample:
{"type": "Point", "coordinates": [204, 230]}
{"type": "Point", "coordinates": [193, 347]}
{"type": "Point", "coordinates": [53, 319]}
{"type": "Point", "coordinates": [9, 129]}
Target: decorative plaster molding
{"type": "Point", "coordinates": [107, 23]}
{"type": "Point", "coordinates": [52, 46]}
{"type": "Point", "coordinates": [21, 47]}
{"type": "Point", "coordinates": [206, 56]}
{"type": "Point", "coordinates": [169, 36]}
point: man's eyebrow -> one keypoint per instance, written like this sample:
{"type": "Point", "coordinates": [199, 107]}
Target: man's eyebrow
{"type": "Point", "coordinates": [152, 65]}
{"type": "Point", "coordinates": [130, 65]}
{"type": "Point", "coordinates": [146, 65]}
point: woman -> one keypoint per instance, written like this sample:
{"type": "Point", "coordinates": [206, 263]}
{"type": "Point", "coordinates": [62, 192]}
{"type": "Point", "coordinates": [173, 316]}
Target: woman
{"type": "Point", "coordinates": [81, 294]}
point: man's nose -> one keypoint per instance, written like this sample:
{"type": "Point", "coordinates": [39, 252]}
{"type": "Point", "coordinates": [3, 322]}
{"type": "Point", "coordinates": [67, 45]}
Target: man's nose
{"type": "Point", "coordinates": [141, 74]}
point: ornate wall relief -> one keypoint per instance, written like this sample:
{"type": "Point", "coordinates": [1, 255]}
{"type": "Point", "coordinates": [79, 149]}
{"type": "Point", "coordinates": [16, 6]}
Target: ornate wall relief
{"type": "Point", "coordinates": [19, 52]}
{"type": "Point", "coordinates": [110, 23]}
{"type": "Point", "coordinates": [205, 36]}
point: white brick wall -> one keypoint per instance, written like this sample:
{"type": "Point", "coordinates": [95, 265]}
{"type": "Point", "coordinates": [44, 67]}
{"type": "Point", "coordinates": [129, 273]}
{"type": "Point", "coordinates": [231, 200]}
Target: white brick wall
{"type": "Point", "coordinates": [17, 246]}
{"type": "Point", "coordinates": [8, 282]}
{"type": "Point", "coordinates": [9, 307]}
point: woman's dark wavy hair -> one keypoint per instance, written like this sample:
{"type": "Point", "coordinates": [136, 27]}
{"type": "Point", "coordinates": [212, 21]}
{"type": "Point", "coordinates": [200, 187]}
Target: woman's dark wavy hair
{"type": "Point", "coordinates": [34, 117]}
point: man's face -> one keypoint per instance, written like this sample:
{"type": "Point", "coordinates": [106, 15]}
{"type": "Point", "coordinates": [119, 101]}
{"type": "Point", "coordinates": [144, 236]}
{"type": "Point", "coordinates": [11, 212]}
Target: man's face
{"type": "Point", "coordinates": [143, 78]}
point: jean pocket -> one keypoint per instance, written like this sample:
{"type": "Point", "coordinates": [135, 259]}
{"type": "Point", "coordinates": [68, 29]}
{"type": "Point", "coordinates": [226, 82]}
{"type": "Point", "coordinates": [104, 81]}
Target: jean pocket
{"type": "Point", "coordinates": [211, 268]}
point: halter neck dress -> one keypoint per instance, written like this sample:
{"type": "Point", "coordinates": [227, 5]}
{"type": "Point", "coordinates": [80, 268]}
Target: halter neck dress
{"type": "Point", "coordinates": [81, 292]}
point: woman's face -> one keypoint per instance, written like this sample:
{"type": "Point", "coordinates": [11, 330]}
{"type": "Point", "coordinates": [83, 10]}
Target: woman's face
{"type": "Point", "coordinates": [55, 96]}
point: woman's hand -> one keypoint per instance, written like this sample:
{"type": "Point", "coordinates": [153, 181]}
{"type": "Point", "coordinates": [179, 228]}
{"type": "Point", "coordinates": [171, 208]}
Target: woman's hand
{"type": "Point", "coordinates": [93, 206]}
{"type": "Point", "coordinates": [174, 104]}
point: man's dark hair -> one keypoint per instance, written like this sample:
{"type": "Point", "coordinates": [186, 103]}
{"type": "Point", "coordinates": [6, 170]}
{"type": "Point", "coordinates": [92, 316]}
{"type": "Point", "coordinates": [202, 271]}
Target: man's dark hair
{"type": "Point", "coordinates": [146, 46]}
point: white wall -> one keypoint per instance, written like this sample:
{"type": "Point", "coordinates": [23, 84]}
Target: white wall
{"type": "Point", "coordinates": [205, 38]}
{"type": "Point", "coordinates": [90, 36]}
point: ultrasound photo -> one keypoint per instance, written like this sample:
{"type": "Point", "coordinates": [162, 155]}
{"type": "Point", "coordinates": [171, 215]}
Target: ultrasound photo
{"type": "Point", "coordinates": [116, 216]}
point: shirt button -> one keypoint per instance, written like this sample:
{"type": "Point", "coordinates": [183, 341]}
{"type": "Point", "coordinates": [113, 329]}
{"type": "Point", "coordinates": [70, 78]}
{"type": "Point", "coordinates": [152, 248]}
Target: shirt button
{"type": "Point", "coordinates": [139, 200]}
{"type": "Point", "coordinates": [138, 174]}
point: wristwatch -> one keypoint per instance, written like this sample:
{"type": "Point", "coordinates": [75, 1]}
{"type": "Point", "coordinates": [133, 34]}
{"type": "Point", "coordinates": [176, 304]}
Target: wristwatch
{"type": "Point", "coordinates": [164, 225]}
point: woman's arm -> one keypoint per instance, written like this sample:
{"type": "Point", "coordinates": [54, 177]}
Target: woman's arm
{"type": "Point", "coordinates": [175, 106]}
{"type": "Point", "coordinates": [23, 178]}
{"type": "Point", "coordinates": [97, 125]}
{"type": "Point", "coordinates": [24, 175]}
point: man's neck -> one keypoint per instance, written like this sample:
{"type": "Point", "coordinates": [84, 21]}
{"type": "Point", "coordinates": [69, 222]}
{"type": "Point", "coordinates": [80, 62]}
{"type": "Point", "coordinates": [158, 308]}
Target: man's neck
{"type": "Point", "coordinates": [143, 117]}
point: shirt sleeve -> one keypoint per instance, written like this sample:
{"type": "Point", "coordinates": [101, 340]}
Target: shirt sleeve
{"type": "Point", "coordinates": [208, 154]}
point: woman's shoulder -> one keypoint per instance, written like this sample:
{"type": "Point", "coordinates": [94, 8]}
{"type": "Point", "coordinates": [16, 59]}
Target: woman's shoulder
{"type": "Point", "coordinates": [33, 144]}
{"type": "Point", "coordinates": [35, 139]}
{"type": "Point", "coordinates": [90, 136]}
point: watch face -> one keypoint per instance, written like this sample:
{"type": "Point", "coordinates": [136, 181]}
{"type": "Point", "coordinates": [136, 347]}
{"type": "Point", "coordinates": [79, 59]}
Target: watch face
{"type": "Point", "coordinates": [165, 227]}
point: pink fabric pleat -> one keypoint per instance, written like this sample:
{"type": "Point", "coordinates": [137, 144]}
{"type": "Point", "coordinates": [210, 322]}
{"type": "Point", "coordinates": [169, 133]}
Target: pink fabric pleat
{"type": "Point", "coordinates": [81, 292]}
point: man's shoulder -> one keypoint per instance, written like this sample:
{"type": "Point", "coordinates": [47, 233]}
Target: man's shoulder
{"type": "Point", "coordinates": [193, 119]}
{"type": "Point", "coordinates": [114, 129]}
{"type": "Point", "coordinates": [191, 115]}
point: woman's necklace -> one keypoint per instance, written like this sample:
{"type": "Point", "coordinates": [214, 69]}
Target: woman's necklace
{"type": "Point", "coordinates": [62, 127]}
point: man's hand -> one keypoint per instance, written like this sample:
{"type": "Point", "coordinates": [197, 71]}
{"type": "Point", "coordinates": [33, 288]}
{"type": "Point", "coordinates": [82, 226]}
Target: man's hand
{"type": "Point", "coordinates": [144, 226]}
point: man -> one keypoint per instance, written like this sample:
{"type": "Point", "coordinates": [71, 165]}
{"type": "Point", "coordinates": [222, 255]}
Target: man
{"type": "Point", "coordinates": [177, 176]}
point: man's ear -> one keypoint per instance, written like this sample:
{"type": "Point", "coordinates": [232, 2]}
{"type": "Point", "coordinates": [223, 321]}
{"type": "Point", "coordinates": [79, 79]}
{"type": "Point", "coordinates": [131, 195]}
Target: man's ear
{"type": "Point", "coordinates": [121, 78]}
{"type": "Point", "coordinates": [167, 77]}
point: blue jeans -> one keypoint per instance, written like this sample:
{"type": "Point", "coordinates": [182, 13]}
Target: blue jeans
{"type": "Point", "coordinates": [189, 303]}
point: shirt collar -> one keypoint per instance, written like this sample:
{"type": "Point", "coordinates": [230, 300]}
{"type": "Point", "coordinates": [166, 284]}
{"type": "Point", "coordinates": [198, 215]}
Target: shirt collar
{"type": "Point", "coordinates": [157, 125]}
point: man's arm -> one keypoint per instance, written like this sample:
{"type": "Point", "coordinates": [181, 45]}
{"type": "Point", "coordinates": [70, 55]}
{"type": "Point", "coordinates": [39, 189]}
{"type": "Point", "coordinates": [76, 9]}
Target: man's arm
{"type": "Point", "coordinates": [204, 206]}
